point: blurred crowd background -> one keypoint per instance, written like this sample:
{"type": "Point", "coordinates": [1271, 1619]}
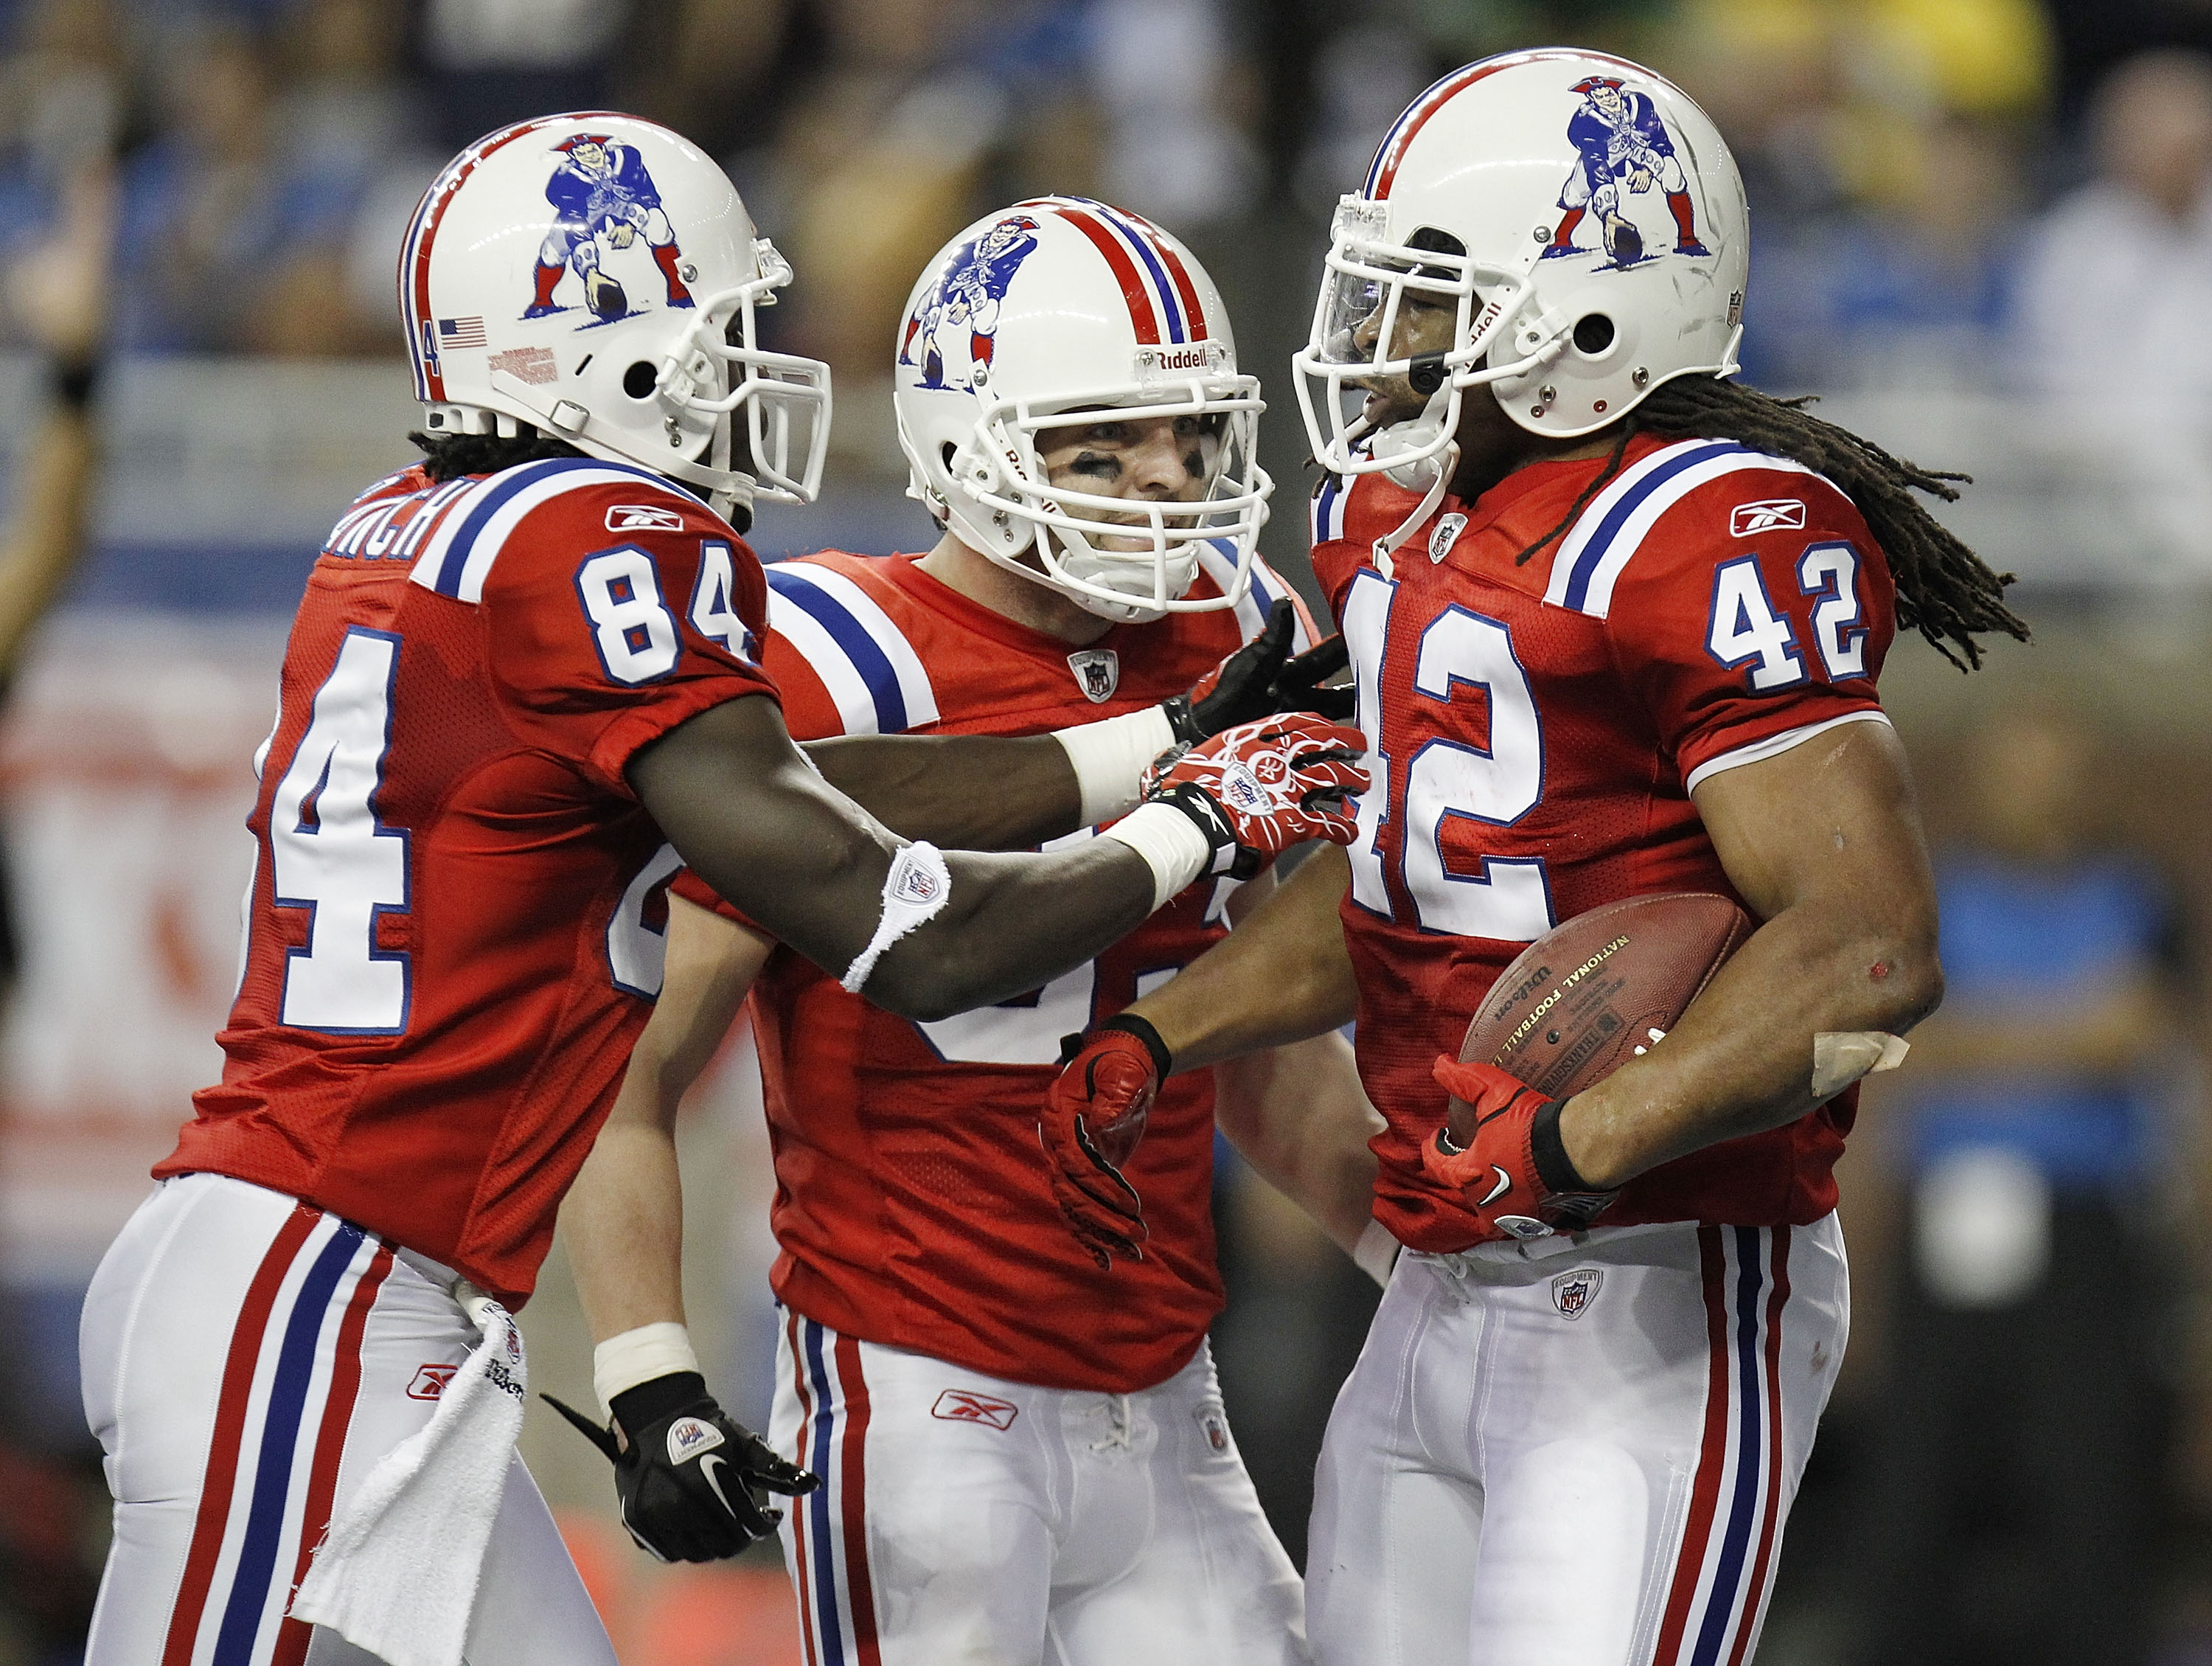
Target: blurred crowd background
{"type": "Point", "coordinates": [1982, 232]}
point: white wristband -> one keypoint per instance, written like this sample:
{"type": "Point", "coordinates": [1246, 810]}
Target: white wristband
{"type": "Point", "coordinates": [621, 1363]}
{"type": "Point", "coordinates": [917, 887]}
{"type": "Point", "coordinates": [1375, 1253]}
{"type": "Point", "coordinates": [1168, 839]}
{"type": "Point", "coordinates": [1109, 756]}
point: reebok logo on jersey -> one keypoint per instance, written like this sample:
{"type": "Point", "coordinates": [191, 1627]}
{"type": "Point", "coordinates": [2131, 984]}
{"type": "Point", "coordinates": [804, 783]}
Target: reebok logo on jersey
{"type": "Point", "coordinates": [430, 1382]}
{"type": "Point", "coordinates": [1573, 1293]}
{"type": "Point", "coordinates": [1446, 534]}
{"type": "Point", "coordinates": [1749, 520]}
{"type": "Point", "coordinates": [643, 518]}
{"type": "Point", "coordinates": [959, 1405]}
{"type": "Point", "coordinates": [688, 1437]}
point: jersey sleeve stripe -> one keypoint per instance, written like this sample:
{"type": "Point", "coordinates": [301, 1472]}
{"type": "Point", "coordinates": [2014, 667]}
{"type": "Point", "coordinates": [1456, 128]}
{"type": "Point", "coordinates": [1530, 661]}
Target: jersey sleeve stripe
{"type": "Point", "coordinates": [1597, 551]}
{"type": "Point", "coordinates": [1328, 507]}
{"type": "Point", "coordinates": [854, 647]}
{"type": "Point", "coordinates": [1759, 751]}
{"type": "Point", "coordinates": [475, 525]}
{"type": "Point", "coordinates": [1221, 566]}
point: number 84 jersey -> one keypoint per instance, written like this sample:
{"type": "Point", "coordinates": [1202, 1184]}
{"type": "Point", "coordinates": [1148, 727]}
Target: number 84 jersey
{"type": "Point", "coordinates": [453, 932]}
{"type": "Point", "coordinates": [1536, 727]}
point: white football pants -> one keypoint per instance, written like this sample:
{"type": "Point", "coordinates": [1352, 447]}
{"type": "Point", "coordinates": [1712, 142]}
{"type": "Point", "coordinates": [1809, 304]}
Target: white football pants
{"type": "Point", "coordinates": [963, 1520]}
{"type": "Point", "coordinates": [247, 1361]}
{"type": "Point", "coordinates": [1576, 1452]}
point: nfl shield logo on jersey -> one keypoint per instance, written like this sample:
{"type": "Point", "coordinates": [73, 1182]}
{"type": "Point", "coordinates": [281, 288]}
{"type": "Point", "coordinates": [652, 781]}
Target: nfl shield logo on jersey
{"type": "Point", "coordinates": [1446, 534]}
{"type": "Point", "coordinates": [1098, 672]}
{"type": "Point", "coordinates": [1573, 1293]}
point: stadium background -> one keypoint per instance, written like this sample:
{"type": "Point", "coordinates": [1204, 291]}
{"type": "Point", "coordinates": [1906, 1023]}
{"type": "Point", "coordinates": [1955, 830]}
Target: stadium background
{"type": "Point", "coordinates": [1977, 246]}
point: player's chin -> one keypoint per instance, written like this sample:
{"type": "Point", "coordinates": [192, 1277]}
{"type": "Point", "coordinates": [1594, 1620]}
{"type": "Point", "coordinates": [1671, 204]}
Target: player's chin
{"type": "Point", "coordinates": [1390, 402]}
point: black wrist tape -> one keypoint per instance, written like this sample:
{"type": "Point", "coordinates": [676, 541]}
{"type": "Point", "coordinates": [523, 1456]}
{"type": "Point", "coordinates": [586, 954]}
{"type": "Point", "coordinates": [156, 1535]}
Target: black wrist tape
{"type": "Point", "coordinates": [642, 1407]}
{"type": "Point", "coordinates": [1130, 1025]}
{"type": "Point", "coordinates": [1553, 1167]}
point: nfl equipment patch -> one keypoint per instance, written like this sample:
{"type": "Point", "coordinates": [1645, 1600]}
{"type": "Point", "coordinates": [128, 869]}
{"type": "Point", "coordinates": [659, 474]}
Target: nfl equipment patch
{"type": "Point", "coordinates": [1573, 1293]}
{"type": "Point", "coordinates": [1098, 672]}
{"type": "Point", "coordinates": [1446, 534]}
{"type": "Point", "coordinates": [1213, 1423]}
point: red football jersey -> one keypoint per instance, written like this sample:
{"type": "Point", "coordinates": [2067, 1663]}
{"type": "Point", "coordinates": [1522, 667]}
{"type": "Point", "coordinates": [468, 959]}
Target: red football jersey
{"type": "Point", "coordinates": [1536, 729]}
{"type": "Point", "coordinates": [451, 941]}
{"type": "Point", "coordinates": [912, 1204]}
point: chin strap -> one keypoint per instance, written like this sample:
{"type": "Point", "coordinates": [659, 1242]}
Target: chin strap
{"type": "Point", "coordinates": [1385, 548]}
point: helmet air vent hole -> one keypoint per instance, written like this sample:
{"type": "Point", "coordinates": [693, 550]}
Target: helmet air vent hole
{"type": "Point", "coordinates": [638, 380]}
{"type": "Point", "coordinates": [944, 454]}
{"type": "Point", "coordinates": [1594, 333]}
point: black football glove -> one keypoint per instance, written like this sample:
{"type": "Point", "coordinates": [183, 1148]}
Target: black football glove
{"type": "Point", "coordinates": [1299, 685]}
{"type": "Point", "coordinates": [692, 1484]}
{"type": "Point", "coordinates": [1239, 689]}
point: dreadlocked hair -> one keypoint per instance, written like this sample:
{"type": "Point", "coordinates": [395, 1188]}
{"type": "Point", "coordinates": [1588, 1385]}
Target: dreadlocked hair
{"type": "Point", "coordinates": [449, 456]}
{"type": "Point", "coordinates": [1944, 590]}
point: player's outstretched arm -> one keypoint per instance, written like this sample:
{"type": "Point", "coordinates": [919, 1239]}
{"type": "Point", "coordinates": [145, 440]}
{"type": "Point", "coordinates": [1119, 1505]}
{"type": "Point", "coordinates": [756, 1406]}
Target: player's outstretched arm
{"type": "Point", "coordinates": [929, 936]}
{"type": "Point", "coordinates": [623, 1220]}
{"type": "Point", "coordinates": [1824, 843]}
{"type": "Point", "coordinates": [1298, 1115]}
{"type": "Point", "coordinates": [674, 1448]}
{"type": "Point", "coordinates": [989, 793]}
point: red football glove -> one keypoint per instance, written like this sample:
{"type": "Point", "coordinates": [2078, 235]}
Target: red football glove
{"type": "Point", "coordinates": [1094, 1115]}
{"type": "Point", "coordinates": [1259, 789]}
{"type": "Point", "coordinates": [1514, 1173]}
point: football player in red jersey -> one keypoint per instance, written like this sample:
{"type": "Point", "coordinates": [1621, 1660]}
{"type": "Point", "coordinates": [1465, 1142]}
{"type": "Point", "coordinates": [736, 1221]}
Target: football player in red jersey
{"type": "Point", "coordinates": [522, 680]}
{"type": "Point", "coordinates": [1025, 1452]}
{"type": "Point", "coordinates": [1615, 623]}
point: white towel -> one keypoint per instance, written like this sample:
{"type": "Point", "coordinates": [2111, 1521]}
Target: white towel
{"type": "Point", "coordinates": [397, 1573]}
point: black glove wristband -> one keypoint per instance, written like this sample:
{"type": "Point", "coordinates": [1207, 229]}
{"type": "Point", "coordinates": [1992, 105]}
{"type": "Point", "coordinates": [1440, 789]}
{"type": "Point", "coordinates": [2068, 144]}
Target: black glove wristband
{"type": "Point", "coordinates": [1553, 1167]}
{"type": "Point", "coordinates": [642, 1407]}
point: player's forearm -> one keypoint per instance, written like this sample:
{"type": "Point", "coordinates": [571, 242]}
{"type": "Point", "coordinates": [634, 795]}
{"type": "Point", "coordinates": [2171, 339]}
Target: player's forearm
{"type": "Point", "coordinates": [1282, 976]}
{"type": "Point", "coordinates": [1012, 924]}
{"type": "Point", "coordinates": [964, 792]}
{"type": "Point", "coordinates": [1742, 1059]}
{"type": "Point", "coordinates": [1298, 1117]}
{"type": "Point", "coordinates": [622, 1225]}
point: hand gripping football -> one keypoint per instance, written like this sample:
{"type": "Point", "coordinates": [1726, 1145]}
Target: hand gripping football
{"type": "Point", "coordinates": [1592, 993]}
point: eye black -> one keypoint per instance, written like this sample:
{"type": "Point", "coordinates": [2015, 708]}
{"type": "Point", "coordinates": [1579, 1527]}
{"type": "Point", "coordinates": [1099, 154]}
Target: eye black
{"type": "Point", "coordinates": [638, 379]}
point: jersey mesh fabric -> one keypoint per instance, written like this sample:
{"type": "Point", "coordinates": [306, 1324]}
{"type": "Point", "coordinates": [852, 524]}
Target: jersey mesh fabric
{"type": "Point", "coordinates": [912, 1208]}
{"type": "Point", "coordinates": [1628, 703]}
{"type": "Point", "coordinates": [456, 1132]}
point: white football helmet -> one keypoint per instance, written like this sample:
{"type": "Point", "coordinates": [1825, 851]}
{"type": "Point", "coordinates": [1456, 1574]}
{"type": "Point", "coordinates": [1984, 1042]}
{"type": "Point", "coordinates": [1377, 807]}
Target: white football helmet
{"type": "Point", "coordinates": [1058, 304]}
{"type": "Point", "coordinates": [1579, 218]}
{"type": "Point", "coordinates": [595, 275]}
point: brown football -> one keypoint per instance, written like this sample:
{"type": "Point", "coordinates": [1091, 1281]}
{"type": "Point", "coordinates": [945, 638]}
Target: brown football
{"type": "Point", "coordinates": [1591, 993]}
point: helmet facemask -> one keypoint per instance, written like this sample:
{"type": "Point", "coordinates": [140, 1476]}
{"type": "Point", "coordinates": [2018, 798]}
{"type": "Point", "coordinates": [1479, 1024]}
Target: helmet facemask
{"type": "Point", "coordinates": [1414, 323]}
{"type": "Point", "coordinates": [1128, 559]}
{"type": "Point", "coordinates": [717, 367]}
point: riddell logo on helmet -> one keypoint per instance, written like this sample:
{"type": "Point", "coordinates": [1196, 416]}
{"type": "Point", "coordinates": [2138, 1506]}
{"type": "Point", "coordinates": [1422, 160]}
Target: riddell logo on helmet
{"type": "Point", "coordinates": [1164, 360]}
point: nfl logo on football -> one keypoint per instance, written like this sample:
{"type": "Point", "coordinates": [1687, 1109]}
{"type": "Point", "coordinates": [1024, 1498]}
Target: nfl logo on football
{"type": "Point", "coordinates": [1573, 1293]}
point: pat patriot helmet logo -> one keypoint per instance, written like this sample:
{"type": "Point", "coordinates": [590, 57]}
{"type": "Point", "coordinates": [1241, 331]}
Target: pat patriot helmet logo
{"type": "Point", "coordinates": [1749, 520]}
{"type": "Point", "coordinates": [688, 1437]}
{"type": "Point", "coordinates": [604, 202]}
{"type": "Point", "coordinates": [1447, 533]}
{"type": "Point", "coordinates": [953, 328]}
{"type": "Point", "coordinates": [1098, 672]}
{"type": "Point", "coordinates": [1622, 151]}
{"type": "Point", "coordinates": [960, 1406]}
{"type": "Point", "coordinates": [1573, 1293]}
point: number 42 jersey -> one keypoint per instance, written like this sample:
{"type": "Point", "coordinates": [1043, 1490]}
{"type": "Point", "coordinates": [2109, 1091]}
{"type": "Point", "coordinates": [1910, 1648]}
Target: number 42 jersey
{"type": "Point", "coordinates": [450, 939]}
{"type": "Point", "coordinates": [1536, 728]}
